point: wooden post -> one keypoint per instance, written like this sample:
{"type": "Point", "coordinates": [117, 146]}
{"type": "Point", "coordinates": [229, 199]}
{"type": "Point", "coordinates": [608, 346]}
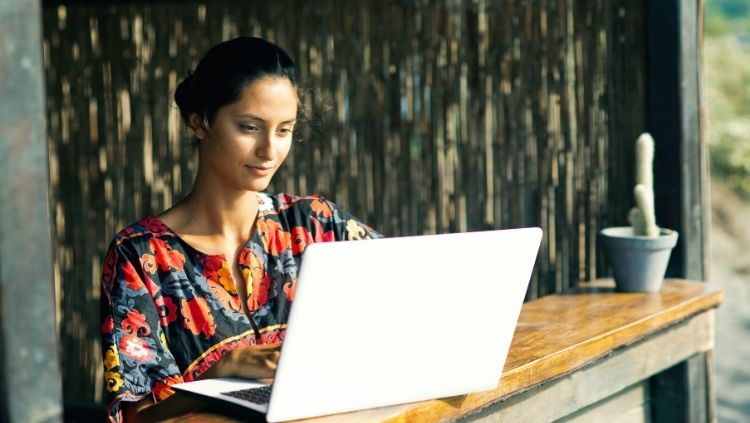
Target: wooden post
{"type": "Point", "coordinates": [674, 120]}
{"type": "Point", "coordinates": [682, 393]}
{"type": "Point", "coordinates": [29, 369]}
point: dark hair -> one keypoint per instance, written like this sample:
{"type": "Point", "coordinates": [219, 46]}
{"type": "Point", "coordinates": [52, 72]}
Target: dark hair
{"type": "Point", "coordinates": [226, 70]}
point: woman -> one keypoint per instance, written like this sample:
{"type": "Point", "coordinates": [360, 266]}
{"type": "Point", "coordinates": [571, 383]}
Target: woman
{"type": "Point", "coordinates": [204, 288]}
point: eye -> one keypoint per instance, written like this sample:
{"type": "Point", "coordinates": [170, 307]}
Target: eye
{"type": "Point", "coordinates": [249, 128]}
{"type": "Point", "coordinates": [285, 131]}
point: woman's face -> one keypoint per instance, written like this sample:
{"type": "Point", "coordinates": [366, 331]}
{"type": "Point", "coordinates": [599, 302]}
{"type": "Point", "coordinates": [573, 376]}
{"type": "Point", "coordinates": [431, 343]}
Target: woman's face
{"type": "Point", "coordinates": [250, 138]}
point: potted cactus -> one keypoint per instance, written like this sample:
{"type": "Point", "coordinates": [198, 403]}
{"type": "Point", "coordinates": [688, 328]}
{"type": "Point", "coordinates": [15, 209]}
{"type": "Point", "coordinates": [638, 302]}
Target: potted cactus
{"type": "Point", "coordinates": [639, 253]}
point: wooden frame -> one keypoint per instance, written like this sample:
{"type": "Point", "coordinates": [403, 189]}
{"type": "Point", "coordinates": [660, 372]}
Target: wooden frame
{"type": "Point", "coordinates": [30, 387]}
{"type": "Point", "coordinates": [674, 119]}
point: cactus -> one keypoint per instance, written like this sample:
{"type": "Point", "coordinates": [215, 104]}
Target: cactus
{"type": "Point", "coordinates": [642, 217]}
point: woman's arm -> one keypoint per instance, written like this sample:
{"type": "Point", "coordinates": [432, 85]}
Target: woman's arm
{"type": "Point", "coordinates": [137, 362]}
{"type": "Point", "coordinates": [251, 362]}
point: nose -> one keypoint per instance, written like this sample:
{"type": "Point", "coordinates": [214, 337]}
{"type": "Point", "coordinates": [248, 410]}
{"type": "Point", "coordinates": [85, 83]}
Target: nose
{"type": "Point", "coordinates": [265, 148]}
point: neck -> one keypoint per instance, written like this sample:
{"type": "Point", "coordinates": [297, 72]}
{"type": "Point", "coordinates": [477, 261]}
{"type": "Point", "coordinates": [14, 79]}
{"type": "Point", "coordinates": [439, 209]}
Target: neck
{"type": "Point", "coordinates": [218, 211]}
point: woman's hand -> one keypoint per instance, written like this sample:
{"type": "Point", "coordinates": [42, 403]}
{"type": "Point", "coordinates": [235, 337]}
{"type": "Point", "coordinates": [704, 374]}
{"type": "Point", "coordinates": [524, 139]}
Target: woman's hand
{"type": "Point", "coordinates": [251, 362]}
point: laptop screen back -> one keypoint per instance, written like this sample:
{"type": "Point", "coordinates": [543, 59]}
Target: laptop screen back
{"type": "Point", "coordinates": [397, 320]}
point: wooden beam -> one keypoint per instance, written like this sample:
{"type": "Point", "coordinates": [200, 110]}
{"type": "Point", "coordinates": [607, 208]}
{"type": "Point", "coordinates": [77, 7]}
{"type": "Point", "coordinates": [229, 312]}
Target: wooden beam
{"type": "Point", "coordinates": [674, 120]}
{"type": "Point", "coordinates": [29, 370]}
{"type": "Point", "coordinates": [578, 395]}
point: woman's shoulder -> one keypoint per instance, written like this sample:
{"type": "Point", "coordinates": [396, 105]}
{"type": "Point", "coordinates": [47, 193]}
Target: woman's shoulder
{"type": "Point", "coordinates": [285, 202]}
{"type": "Point", "coordinates": [314, 211]}
{"type": "Point", "coordinates": [141, 232]}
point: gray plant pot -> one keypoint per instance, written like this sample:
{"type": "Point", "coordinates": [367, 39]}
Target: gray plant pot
{"type": "Point", "coordinates": [638, 262]}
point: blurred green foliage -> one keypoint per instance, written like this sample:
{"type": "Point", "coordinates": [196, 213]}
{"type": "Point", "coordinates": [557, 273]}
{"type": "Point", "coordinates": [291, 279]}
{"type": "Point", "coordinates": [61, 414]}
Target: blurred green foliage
{"type": "Point", "coordinates": [728, 8]}
{"type": "Point", "coordinates": [727, 81]}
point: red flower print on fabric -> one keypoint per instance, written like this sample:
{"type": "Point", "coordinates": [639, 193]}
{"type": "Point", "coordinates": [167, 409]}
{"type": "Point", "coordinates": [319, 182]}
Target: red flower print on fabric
{"type": "Point", "coordinates": [162, 389]}
{"type": "Point", "coordinates": [216, 270]}
{"type": "Point", "coordinates": [261, 284]}
{"type": "Point", "coordinates": [268, 226]}
{"type": "Point", "coordinates": [135, 323]}
{"type": "Point", "coordinates": [301, 238]}
{"type": "Point", "coordinates": [272, 336]}
{"type": "Point", "coordinates": [153, 224]}
{"type": "Point", "coordinates": [135, 348]}
{"type": "Point", "coordinates": [321, 208]}
{"type": "Point", "coordinates": [108, 271]}
{"type": "Point", "coordinates": [232, 302]}
{"type": "Point", "coordinates": [109, 325]}
{"type": "Point", "coordinates": [286, 201]}
{"type": "Point", "coordinates": [211, 266]}
{"type": "Point", "coordinates": [166, 308]}
{"type": "Point", "coordinates": [197, 317]}
{"type": "Point", "coordinates": [148, 262]}
{"type": "Point", "coordinates": [166, 257]}
{"type": "Point", "coordinates": [289, 288]}
{"type": "Point", "coordinates": [278, 239]}
{"type": "Point", "coordinates": [244, 257]}
{"type": "Point", "coordinates": [279, 243]}
{"type": "Point", "coordinates": [152, 288]}
{"type": "Point", "coordinates": [320, 234]}
{"type": "Point", "coordinates": [132, 280]}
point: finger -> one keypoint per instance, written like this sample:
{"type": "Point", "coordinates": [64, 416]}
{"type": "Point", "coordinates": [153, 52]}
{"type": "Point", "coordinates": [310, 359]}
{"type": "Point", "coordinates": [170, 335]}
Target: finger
{"type": "Point", "coordinates": [266, 347]}
{"type": "Point", "coordinates": [254, 372]}
{"type": "Point", "coordinates": [262, 372]}
{"type": "Point", "coordinates": [261, 349]}
{"type": "Point", "coordinates": [271, 365]}
{"type": "Point", "coordinates": [261, 358]}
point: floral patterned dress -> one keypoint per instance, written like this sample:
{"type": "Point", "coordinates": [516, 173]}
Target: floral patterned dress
{"type": "Point", "coordinates": [169, 311]}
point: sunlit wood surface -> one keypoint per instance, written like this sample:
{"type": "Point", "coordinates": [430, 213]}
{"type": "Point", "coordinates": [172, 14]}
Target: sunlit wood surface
{"type": "Point", "coordinates": [557, 335]}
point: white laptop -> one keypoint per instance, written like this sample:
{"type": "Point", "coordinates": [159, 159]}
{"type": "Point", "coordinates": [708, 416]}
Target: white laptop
{"type": "Point", "coordinates": [395, 320]}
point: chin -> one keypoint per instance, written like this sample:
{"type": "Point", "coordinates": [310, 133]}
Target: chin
{"type": "Point", "coordinates": [257, 186]}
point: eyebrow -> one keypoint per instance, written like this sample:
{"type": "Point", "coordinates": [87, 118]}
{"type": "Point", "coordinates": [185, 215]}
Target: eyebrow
{"type": "Point", "coordinates": [251, 116]}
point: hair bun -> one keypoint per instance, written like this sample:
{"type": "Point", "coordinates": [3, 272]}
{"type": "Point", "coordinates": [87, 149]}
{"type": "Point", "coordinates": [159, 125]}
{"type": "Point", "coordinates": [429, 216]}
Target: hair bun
{"type": "Point", "coordinates": [183, 95]}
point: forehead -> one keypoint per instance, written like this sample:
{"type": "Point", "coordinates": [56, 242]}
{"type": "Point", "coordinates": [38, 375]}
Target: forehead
{"type": "Point", "coordinates": [269, 98]}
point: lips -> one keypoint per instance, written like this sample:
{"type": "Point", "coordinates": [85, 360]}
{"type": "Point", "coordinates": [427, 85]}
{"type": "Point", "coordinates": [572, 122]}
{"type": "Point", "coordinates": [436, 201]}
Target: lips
{"type": "Point", "coordinates": [260, 170]}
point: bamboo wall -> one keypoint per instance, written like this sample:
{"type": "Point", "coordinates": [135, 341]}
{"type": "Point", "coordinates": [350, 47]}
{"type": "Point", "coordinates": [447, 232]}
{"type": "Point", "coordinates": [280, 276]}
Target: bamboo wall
{"type": "Point", "coordinates": [444, 116]}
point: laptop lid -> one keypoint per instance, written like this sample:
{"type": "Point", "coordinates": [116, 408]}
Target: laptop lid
{"type": "Point", "coordinates": [398, 320]}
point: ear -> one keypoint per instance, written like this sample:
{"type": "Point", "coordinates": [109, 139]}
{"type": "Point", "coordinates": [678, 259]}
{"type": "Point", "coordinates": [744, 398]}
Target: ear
{"type": "Point", "coordinates": [199, 126]}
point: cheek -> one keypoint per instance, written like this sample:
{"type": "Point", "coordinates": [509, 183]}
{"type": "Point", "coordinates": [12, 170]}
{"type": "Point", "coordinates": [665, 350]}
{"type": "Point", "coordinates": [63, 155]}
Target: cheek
{"type": "Point", "coordinates": [226, 141]}
{"type": "Point", "coordinates": [283, 149]}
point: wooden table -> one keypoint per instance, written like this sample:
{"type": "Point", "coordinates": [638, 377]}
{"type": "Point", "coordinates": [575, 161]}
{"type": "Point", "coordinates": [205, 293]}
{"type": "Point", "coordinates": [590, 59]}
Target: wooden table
{"type": "Point", "coordinates": [591, 354]}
